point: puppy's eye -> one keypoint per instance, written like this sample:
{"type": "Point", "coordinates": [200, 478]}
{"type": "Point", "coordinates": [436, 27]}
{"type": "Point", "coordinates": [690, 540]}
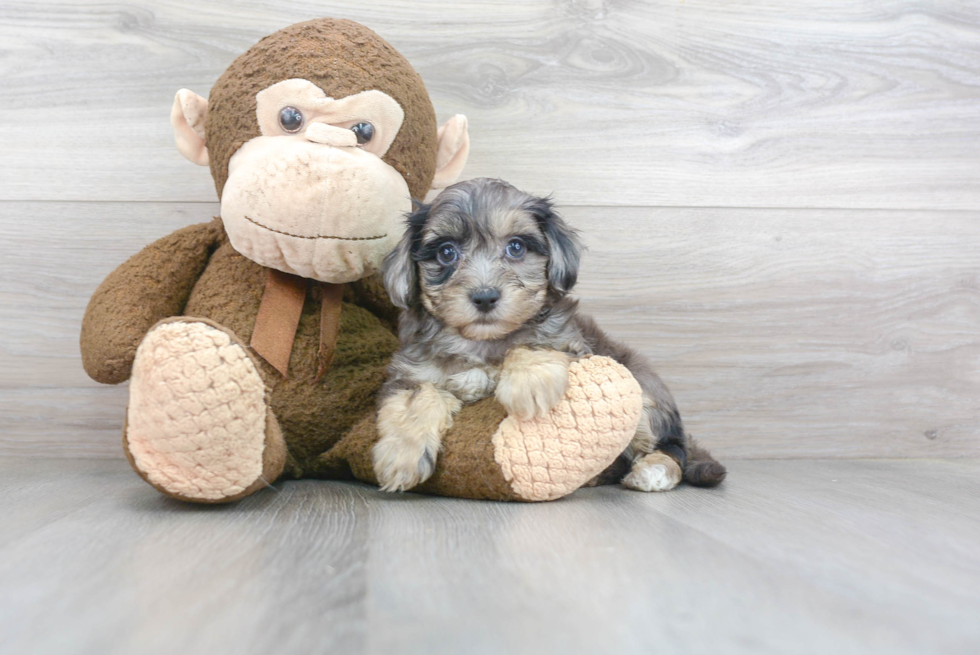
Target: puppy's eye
{"type": "Point", "coordinates": [364, 132]}
{"type": "Point", "coordinates": [290, 119]}
{"type": "Point", "coordinates": [447, 254]}
{"type": "Point", "coordinates": [516, 249]}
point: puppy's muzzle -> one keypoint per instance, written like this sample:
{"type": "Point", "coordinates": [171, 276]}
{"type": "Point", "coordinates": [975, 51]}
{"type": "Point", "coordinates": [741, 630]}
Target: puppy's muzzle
{"type": "Point", "coordinates": [485, 299]}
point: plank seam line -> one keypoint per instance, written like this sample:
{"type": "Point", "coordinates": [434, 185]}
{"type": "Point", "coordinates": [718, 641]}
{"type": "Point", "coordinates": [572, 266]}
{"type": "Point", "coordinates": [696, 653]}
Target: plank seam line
{"type": "Point", "coordinates": [559, 204]}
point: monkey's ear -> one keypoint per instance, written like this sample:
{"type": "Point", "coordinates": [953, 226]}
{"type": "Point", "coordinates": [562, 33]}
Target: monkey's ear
{"type": "Point", "coordinates": [564, 246]}
{"type": "Point", "coordinates": [399, 268]}
{"type": "Point", "coordinates": [187, 116]}
{"type": "Point", "coordinates": [454, 148]}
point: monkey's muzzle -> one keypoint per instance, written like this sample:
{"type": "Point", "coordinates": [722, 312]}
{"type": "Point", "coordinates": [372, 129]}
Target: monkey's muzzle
{"type": "Point", "coordinates": [290, 203]}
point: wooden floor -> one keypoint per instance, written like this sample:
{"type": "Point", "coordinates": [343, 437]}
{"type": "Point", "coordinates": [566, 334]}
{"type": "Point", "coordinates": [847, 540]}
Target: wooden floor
{"type": "Point", "coordinates": [819, 556]}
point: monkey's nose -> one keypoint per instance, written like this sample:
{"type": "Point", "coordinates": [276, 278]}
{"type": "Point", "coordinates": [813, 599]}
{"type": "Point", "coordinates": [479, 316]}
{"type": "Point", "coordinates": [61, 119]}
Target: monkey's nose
{"type": "Point", "coordinates": [331, 135]}
{"type": "Point", "coordinates": [485, 299]}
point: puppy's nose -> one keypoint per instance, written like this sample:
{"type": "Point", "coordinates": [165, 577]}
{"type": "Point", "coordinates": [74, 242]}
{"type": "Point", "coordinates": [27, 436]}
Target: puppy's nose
{"type": "Point", "coordinates": [485, 299]}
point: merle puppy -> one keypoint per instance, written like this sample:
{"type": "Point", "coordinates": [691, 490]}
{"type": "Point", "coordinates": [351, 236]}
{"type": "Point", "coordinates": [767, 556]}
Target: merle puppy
{"type": "Point", "coordinates": [483, 276]}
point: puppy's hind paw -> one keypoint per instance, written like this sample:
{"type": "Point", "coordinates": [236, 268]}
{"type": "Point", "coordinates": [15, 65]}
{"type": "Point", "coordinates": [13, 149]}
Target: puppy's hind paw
{"type": "Point", "coordinates": [654, 472]}
{"type": "Point", "coordinates": [532, 382]}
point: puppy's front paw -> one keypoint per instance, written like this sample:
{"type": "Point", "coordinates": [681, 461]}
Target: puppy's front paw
{"type": "Point", "coordinates": [654, 472]}
{"type": "Point", "coordinates": [532, 382]}
{"type": "Point", "coordinates": [400, 465]}
{"type": "Point", "coordinates": [411, 424]}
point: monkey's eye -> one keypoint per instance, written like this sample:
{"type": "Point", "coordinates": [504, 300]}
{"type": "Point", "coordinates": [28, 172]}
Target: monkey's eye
{"type": "Point", "coordinates": [447, 254]}
{"type": "Point", "coordinates": [290, 119]}
{"type": "Point", "coordinates": [516, 249]}
{"type": "Point", "coordinates": [364, 132]}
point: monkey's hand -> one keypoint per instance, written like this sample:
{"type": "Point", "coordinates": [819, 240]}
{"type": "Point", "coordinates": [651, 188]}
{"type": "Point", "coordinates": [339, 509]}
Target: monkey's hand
{"type": "Point", "coordinates": [411, 423]}
{"type": "Point", "coordinates": [152, 285]}
{"type": "Point", "coordinates": [532, 382]}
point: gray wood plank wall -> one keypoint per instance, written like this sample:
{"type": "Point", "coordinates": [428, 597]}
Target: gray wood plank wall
{"type": "Point", "coordinates": [782, 200]}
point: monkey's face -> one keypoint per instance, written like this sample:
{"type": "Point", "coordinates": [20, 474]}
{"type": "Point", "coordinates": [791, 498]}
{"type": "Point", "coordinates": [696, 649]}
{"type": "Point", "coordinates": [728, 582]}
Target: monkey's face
{"type": "Point", "coordinates": [311, 195]}
{"type": "Point", "coordinates": [317, 138]}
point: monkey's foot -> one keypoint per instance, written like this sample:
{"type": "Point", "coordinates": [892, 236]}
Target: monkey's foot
{"type": "Point", "coordinates": [198, 426]}
{"type": "Point", "coordinates": [551, 456]}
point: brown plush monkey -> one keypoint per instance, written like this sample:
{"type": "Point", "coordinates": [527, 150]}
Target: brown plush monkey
{"type": "Point", "coordinates": [256, 343]}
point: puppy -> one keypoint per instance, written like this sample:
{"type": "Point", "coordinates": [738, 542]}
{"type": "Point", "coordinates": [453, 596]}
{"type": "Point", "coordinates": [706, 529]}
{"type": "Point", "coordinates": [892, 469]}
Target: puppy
{"type": "Point", "coordinates": [483, 276]}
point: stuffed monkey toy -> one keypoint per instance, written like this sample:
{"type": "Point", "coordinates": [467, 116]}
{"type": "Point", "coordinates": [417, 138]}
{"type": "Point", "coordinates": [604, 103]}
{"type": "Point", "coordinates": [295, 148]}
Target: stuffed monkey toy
{"type": "Point", "coordinates": [255, 344]}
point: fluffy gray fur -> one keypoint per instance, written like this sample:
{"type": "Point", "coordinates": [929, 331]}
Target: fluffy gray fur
{"type": "Point", "coordinates": [449, 343]}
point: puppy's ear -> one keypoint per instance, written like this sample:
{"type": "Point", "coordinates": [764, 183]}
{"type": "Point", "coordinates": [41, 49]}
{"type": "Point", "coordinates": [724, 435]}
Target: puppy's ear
{"type": "Point", "coordinates": [399, 269]}
{"type": "Point", "coordinates": [564, 246]}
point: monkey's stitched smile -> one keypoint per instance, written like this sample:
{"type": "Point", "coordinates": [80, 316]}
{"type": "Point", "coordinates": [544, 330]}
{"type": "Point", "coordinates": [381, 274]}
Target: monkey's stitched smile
{"type": "Point", "coordinates": [321, 236]}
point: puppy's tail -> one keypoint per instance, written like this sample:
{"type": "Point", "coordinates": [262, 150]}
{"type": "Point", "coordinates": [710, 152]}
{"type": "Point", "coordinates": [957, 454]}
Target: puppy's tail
{"type": "Point", "coordinates": [702, 470]}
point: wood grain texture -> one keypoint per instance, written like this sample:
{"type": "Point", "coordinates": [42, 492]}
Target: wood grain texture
{"type": "Point", "coordinates": [754, 103]}
{"type": "Point", "coordinates": [783, 333]}
{"type": "Point", "coordinates": [804, 557]}
{"type": "Point", "coordinates": [788, 333]}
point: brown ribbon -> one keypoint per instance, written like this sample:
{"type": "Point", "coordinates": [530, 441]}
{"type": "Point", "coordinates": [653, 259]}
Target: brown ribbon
{"type": "Point", "coordinates": [278, 319]}
{"type": "Point", "coordinates": [332, 297]}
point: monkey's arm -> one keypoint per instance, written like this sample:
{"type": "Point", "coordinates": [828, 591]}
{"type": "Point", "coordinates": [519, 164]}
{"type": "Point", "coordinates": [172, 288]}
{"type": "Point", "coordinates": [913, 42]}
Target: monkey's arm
{"type": "Point", "coordinates": [369, 293]}
{"type": "Point", "coordinates": [151, 285]}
